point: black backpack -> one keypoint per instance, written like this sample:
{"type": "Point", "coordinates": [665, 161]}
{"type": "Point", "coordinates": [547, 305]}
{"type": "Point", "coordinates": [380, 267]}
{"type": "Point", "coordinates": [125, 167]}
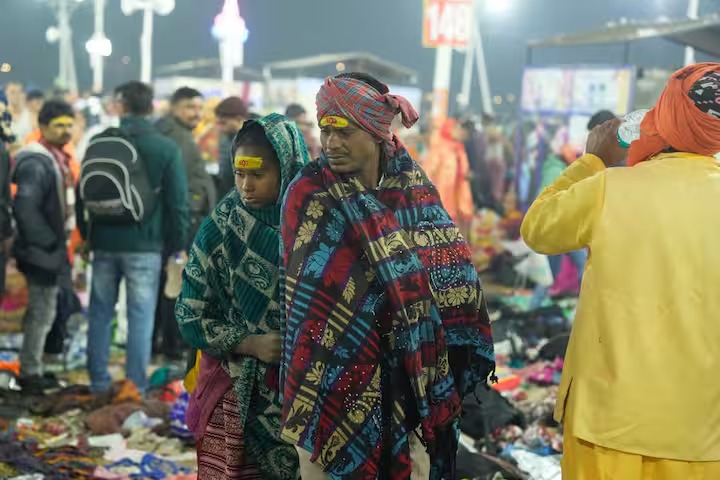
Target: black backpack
{"type": "Point", "coordinates": [114, 184]}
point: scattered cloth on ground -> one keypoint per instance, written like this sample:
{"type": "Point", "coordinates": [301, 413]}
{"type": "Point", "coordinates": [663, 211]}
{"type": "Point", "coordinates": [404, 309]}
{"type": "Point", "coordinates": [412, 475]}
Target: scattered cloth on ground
{"type": "Point", "coordinates": [111, 418]}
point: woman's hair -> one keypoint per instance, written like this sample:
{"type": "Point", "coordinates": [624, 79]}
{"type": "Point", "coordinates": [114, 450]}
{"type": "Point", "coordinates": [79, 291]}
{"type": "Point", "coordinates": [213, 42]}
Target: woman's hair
{"type": "Point", "coordinates": [368, 79]}
{"type": "Point", "coordinates": [251, 133]}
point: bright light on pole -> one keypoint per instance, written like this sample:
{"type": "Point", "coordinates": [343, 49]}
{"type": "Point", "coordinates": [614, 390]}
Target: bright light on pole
{"type": "Point", "coordinates": [149, 9]}
{"type": "Point", "coordinates": [498, 7]}
{"type": "Point", "coordinates": [62, 35]}
{"type": "Point", "coordinates": [231, 32]}
{"type": "Point", "coordinates": [98, 47]}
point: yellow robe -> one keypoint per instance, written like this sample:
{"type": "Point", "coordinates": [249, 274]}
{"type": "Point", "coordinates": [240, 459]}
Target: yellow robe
{"type": "Point", "coordinates": [641, 367]}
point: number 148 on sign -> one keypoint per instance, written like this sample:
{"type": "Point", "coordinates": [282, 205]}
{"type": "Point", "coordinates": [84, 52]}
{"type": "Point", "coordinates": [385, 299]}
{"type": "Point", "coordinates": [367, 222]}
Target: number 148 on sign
{"type": "Point", "coordinates": [447, 23]}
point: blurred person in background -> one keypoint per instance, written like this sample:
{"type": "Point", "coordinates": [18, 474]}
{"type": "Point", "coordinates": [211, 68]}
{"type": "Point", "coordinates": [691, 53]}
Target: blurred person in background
{"type": "Point", "coordinates": [44, 210]}
{"type": "Point", "coordinates": [480, 181]}
{"type": "Point", "coordinates": [496, 146]}
{"type": "Point", "coordinates": [230, 116]}
{"type": "Point", "coordinates": [6, 224]}
{"type": "Point", "coordinates": [648, 307]}
{"type": "Point", "coordinates": [17, 104]}
{"type": "Point", "coordinates": [446, 165]}
{"type": "Point", "coordinates": [133, 251]}
{"type": "Point", "coordinates": [299, 115]}
{"type": "Point", "coordinates": [185, 115]}
{"type": "Point", "coordinates": [35, 102]}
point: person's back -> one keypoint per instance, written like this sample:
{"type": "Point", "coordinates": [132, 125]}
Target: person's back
{"type": "Point", "coordinates": [651, 292]}
{"type": "Point", "coordinates": [638, 396]}
{"type": "Point", "coordinates": [164, 168]}
{"type": "Point", "coordinates": [133, 250]}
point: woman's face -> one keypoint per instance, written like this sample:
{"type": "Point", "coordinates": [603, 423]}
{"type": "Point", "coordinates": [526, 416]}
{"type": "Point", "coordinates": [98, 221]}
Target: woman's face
{"type": "Point", "coordinates": [257, 175]}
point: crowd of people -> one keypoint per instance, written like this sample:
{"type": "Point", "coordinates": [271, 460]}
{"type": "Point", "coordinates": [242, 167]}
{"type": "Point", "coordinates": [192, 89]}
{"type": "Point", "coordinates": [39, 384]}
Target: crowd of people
{"type": "Point", "coordinates": [330, 309]}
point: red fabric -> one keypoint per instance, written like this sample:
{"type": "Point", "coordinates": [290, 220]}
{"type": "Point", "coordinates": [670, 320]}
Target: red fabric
{"type": "Point", "coordinates": [677, 122]}
{"type": "Point", "coordinates": [221, 452]}
{"type": "Point", "coordinates": [362, 104]}
{"type": "Point", "coordinates": [213, 383]}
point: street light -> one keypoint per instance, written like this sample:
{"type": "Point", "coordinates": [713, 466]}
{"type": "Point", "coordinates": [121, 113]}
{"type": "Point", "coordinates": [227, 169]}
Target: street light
{"type": "Point", "coordinates": [477, 49]}
{"type": "Point", "coordinates": [62, 35]}
{"type": "Point", "coordinates": [692, 13]}
{"type": "Point", "coordinates": [149, 9]}
{"type": "Point", "coordinates": [98, 46]}
{"type": "Point", "coordinates": [231, 32]}
{"type": "Point", "coordinates": [498, 7]}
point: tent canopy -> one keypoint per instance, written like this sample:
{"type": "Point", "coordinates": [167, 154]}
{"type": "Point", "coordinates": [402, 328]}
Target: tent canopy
{"type": "Point", "coordinates": [325, 64]}
{"type": "Point", "coordinates": [703, 34]}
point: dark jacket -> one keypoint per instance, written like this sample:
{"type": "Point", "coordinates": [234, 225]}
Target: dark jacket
{"type": "Point", "coordinates": [201, 188]}
{"type": "Point", "coordinates": [39, 210]}
{"type": "Point", "coordinates": [227, 171]}
{"type": "Point", "coordinates": [6, 225]}
{"type": "Point", "coordinates": [167, 226]}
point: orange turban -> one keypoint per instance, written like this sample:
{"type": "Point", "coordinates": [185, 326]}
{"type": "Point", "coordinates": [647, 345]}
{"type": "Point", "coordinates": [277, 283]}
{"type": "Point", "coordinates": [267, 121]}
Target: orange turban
{"type": "Point", "coordinates": [686, 118]}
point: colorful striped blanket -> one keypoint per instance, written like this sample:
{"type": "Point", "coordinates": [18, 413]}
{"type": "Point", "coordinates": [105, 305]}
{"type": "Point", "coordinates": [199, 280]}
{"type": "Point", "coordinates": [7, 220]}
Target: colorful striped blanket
{"type": "Point", "coordinates": [386, 326]}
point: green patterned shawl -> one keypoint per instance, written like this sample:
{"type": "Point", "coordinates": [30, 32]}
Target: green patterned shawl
{"type": "Point", "coordinates": [230, 291]}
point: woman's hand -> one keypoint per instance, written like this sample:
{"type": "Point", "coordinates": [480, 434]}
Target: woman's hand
{"type": "Point", "coordinates": [266, 348]}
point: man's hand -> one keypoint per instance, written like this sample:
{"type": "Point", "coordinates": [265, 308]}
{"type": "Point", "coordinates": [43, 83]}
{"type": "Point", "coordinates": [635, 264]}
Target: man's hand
{"type": "Point", "coordinates": [603, 143]}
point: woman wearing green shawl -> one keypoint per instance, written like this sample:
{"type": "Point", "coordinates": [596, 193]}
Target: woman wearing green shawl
{"type": "Point", "coordinates": [229, 310]}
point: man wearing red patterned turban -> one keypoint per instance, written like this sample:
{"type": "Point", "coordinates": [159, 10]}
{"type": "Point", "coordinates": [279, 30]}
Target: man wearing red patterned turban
{"type": "Point", "coordinates": [638, 396]}
{"type": "Point", "coordinates": [386, 328]}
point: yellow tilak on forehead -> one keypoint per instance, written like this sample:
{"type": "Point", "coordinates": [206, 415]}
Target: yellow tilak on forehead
{"type": "Point", "coordinates": [248, 163]}
{"type": "Point", "coordinates": [334, 121]}
{"type": "Point", "coordinates": [61, 120]}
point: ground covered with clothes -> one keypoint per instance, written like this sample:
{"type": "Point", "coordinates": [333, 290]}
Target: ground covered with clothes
{"type": "Point", "coordinates": [508, 432]}
{"type": "Point", "coordinates": [73, 434]}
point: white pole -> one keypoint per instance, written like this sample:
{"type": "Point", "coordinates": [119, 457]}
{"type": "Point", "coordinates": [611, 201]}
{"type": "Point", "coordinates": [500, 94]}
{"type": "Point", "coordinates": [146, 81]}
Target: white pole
{"type": "Point", "coordinates": [98, 62]}
{"type": "Point", "coordinates": [441, 84]}
{"type": "Point", "coordinates": [72, 83]}
{"type": "Point", "coordinates": [482, 68]}
{"type": "Point", "coordinates": [63, 17]}
{"type": "Point", "coordinates": [464, 98]}
{"type": "Point", "coordinates": [226, 62]}
{"type": "Point", "coordinates": [146, 45]}
{"type": "Point", "coordinates": [693, 12]}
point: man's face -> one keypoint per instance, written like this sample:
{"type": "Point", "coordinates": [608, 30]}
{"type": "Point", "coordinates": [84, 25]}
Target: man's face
{"type": "Point", "coordinates": [15, 95]}
{"type": "Point", "coordinates": [230, 125]}
{"type": "Point", "coordinates": [189, 111]}
{"type": "Point", "coordinates": [349, 148]}
{"type": "Point", "coordinates": [59, 131]}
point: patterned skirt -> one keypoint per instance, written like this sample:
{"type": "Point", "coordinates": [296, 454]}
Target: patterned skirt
{"type": "Point", "coordinates": [221, 451]}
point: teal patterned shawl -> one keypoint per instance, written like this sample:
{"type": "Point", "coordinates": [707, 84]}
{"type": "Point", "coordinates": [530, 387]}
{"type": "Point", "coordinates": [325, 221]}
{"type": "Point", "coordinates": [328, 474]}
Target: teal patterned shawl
{"type": "Point", "coordinates": [230, 291]}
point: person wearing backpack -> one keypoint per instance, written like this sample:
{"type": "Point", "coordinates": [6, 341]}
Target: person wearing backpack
{"type": "Point", "coordinates": [44, 211]}
{"type": "Point", "coordinates": [132, 203]}
{"type": "Point", "coordinates": [185, 114]}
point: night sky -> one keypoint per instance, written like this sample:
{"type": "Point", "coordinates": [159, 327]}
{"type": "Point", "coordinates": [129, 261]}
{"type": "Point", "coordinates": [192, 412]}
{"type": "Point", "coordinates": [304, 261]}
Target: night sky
{"type": "Point", "coordinates": [285, 29]}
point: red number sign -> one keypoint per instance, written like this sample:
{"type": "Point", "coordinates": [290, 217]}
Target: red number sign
{"type": "Point", "coordinates": [447, 23]}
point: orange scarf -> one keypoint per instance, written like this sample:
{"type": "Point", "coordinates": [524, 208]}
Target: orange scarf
{"type": "Point", "coordinates": [677, 121]}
